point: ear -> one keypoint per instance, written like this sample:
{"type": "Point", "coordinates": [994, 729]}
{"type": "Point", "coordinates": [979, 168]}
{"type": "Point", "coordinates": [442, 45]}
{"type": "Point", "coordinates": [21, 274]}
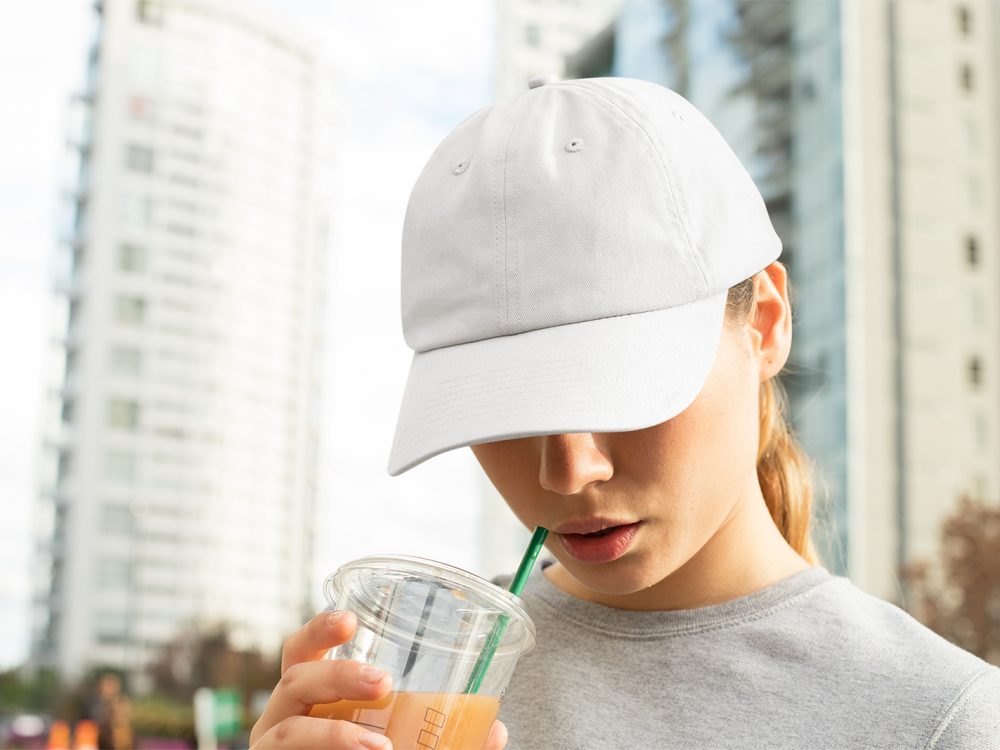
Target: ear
{"type": "Point", "coordinates": [771, 324]}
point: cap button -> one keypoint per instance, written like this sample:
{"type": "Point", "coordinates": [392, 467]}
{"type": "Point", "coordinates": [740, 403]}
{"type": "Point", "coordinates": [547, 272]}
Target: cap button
{"type": "Point", "coordinates": [535, 81]}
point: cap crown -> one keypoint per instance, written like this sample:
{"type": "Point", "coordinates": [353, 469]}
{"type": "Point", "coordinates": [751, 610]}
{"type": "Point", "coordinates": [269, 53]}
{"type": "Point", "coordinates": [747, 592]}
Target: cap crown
{"type": "Point", "coordinates": [575, 201]}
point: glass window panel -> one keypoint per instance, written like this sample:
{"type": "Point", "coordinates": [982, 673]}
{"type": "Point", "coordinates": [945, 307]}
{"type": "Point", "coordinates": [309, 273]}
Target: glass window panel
{"type": "Point", "coordinates": [130, 309]}
{"type": "Point", "coordinates": [116, 519]}
{"type": "Point", "coordinates": [132, 258]}
{"type": "Point", "coordinates": [139, 158]}
{"type": "Point", "coordinates": [113, 574]}
{"type": "Point", "coordinates": [121, 466]}
{"type": "Point", "coordinates": [123, 414]}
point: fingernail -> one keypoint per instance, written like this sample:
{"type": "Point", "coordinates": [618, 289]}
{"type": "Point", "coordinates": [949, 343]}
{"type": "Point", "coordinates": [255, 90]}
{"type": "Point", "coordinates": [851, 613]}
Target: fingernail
{"type": "Point", "coordinates": [335, 617]}
{"type": "Point", "coordinates": [374, 741]}
{"type": "Point", "coordinates": [371, 674]}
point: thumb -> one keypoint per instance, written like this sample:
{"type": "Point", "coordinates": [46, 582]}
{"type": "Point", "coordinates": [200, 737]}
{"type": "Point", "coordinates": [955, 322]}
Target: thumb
{"type": "Point", "coordinates": [498, 737]}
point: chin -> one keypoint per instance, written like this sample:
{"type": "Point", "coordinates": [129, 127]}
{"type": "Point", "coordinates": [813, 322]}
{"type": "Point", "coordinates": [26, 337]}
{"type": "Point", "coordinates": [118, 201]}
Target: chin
{"type": "Point", "coordinates": [619, 578]}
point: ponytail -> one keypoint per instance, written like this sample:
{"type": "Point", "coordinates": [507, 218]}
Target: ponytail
{"type": "Point", "coordinates": [785, 472]}
{"type": "Point", "coordinates": [784, 469]}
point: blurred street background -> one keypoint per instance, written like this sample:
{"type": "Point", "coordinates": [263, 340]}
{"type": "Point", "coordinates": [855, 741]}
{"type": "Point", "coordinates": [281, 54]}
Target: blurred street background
{"type": "Point", "coordinates": [201, 204]}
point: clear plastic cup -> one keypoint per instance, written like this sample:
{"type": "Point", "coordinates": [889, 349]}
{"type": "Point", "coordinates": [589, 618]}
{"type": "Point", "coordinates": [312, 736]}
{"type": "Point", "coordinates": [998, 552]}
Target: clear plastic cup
{"type": "Point", "coordinates": [432, 627]}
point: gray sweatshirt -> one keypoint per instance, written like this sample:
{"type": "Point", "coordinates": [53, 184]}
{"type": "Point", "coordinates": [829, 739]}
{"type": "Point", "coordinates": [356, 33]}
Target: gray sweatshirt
{"type": "Point", "coordinates": [808, 662]}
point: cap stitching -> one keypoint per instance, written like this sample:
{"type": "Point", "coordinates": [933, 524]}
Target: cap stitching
{"type": "Point", "coordinates": [496, 253]}
{"type": "Point", "coordinates": [503, 197]}
{"type": "Point", "coordinates": [541, 366]}
{"type": "Point", "coordinates": [440, 424]}
{"type": "Point", "coordinates": [498, 248]}
{"type": "Point", "coordinates": [677, 196]}
{"type": "Point", "coordinates": [615, 108]}
{"type": "Point", "coordinates": [458, 413]}
{"type": "Point", "coordinates": [456, 396]}
{"type": "Point", "coordinates": [444, 426]}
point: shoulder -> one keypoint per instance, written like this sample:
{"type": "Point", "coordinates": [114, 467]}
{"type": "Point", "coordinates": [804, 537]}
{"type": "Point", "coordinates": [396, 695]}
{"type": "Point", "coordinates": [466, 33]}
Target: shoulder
{"type": "Point", "coordinates": [973, 720]}
{"type": "Point", "coordinates": [957, 693]}
{"type": "Point", "coordinates": [882, 633]}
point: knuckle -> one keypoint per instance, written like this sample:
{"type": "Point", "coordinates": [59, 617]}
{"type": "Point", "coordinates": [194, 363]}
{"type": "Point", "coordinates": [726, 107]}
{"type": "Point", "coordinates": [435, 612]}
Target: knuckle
{"type": "Point", "coordinates": [285, 729]}
{"type": "Point", "coordinates": [291, 678]}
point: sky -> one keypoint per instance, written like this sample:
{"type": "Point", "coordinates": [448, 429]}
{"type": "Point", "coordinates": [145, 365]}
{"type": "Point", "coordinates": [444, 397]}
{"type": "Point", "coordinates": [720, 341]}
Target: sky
{"type": "Point", "coordinates": [408, 72]}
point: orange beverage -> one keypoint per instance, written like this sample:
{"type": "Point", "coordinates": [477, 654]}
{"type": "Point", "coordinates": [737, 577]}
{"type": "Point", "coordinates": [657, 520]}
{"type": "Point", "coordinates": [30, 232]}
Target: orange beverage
{"type": "Point", "coordinates": [422, 721]}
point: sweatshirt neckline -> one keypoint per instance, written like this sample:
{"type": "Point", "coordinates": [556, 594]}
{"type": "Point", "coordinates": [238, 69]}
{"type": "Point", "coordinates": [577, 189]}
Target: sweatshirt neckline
{"type": "Point", "coordinates": [644, 623]}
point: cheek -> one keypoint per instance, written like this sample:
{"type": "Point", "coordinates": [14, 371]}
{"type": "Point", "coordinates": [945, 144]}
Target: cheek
{"type": "Point", "coordinates": [508, 467]}
{"type": "Point", "coordinates": [715, 438]}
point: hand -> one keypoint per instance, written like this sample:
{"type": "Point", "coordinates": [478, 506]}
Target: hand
{"type": "Point", "coordinates": [307, 679]}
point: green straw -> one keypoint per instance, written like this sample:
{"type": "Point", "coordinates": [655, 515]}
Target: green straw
{"type": "Point", "coordinates": [500, 626]}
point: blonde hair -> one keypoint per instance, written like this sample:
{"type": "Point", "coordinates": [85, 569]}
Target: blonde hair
{"type": "Point", "coordinates": [785, 471]}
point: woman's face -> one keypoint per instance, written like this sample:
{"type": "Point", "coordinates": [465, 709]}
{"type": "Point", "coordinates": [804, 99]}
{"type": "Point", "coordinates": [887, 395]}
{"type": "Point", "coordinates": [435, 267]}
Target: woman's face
{"type": "Point", "coordinates": [691, 481]}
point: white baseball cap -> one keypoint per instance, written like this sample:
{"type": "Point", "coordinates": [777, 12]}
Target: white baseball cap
{"type": "Point", "coordinates": [566, 257]}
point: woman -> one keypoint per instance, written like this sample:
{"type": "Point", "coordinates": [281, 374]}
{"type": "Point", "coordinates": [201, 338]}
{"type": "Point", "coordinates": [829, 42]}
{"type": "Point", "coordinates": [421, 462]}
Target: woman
{"type": "Point", "coordinates": [592, 292]}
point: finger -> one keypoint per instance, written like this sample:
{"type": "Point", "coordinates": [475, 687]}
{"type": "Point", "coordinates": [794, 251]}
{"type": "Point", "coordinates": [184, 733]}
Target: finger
{"type": "Point", "coordinates": [316, 637]}
{"type": "Point", "coordinates": [307, 683]}
{"type": "Point", "coordinates": [303, 731]}
{"type": "Point", "coordinates": [498, 737]}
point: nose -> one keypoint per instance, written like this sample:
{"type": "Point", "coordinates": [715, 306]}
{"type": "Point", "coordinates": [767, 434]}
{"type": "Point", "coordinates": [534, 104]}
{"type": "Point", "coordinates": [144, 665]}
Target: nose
{"type": "Point", "coordinates": [572, 461]}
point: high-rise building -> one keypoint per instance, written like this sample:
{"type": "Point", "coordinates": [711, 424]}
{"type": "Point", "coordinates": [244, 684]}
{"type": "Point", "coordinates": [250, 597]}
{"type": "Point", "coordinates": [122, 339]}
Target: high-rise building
{"type": "Point", "coordinates": [185, 456]}
{"type": "Point", "coordinates": [869, 126]}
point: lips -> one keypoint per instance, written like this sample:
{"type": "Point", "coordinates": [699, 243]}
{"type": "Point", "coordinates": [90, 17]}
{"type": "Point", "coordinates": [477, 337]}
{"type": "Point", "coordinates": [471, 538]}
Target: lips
{"type": "Point", "coordinates": [603, 546]}
{"type": "Point", "coordinates": [589, 525]}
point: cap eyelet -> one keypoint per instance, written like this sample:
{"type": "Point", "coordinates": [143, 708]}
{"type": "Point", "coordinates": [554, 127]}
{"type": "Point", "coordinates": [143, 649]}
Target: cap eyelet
{"type": "Point", "coordinates": [575, 145]}
{"type": "Point", "coordinates": [678, 116]}
{"type": "Point", "coordinates": [460, 166]}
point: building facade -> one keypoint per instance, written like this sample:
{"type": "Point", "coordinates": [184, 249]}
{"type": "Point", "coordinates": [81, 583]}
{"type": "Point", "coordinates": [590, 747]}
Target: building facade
{"type": "Point", "coordinates": [184, 451]}
{"type": "Point", "coordinates": [869, 127]}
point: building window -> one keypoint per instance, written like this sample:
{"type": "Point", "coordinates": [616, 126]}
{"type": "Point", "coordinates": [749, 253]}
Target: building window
{"type": "Point", "coordinates": [74, 311]}
{"type": "Point", "coordinates": [126, 360]}
{"type": "Point", "coordinates": [139, 158]}
{"type": "Point", "coordinates": [975, 371]}
{"type": "Point", "coordinates": [971, 134]}
{"type": "Point", "coordinates": [130, 309]}
{"type": "Point", "coordinates": [977, 310]}
{"type": "Point", "coordinates": [150, 11]}
{"type": "Point", "coordinates": [975, 192]}
{"type": "Point", "coordinates": [132, 258]}
{"type": "Point", "coordinates": [137, 210]}
{"type": "Point", "coordinates": [964, 20]}
{"type": "Point", "coordinates": [972, 250]}
{"type": "Point", "coordinates": [113, 574]}
{"type": "Point", "coordinates": [111, 627]}
{"type": "Point", "coordinates": [967, 77]}
{"type": "Point", "coordinates": [981, 429]}
{"type": "Point", "coordinates": [123, 414]}
{"type": "Point", "coordinates": [116, 519]}
{"type": "Point", "coordinates": [121, 466]}
{"type": "Point", "coordinates": [533, 35]}
{"type": "Point", "coordinates": [64, 465]}
{"type": "Point", "coordinates": [140, 108]}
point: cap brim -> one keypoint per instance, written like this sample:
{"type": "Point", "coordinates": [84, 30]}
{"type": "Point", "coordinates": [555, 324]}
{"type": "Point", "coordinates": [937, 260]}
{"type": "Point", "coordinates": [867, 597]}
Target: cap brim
{"type": "Point", "coordinates": [609, 375]}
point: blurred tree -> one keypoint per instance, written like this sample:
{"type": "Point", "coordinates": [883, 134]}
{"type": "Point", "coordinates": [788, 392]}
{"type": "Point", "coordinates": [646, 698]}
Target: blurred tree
{"type": "Point", "coordinates": [24, 691]}
{"type": "Point", "coordinates": [960, 600]}
{"type": "Point", "coordinates": [207, 658]}
{"type": "Point", "coordinates": [200, 657]}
